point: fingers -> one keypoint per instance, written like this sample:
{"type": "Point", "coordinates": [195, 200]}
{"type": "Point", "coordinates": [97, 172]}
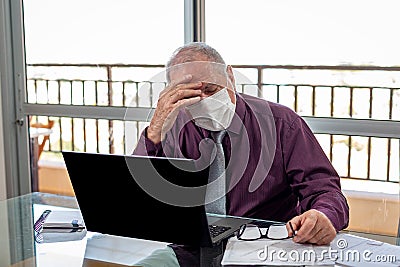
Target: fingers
{"type": "Point", "coordinates": [187, 102]}
{"type": "Point", "coordinates": [323, 237]}
{"type": "Point", "coordinates": [174, 93]}
{"type": "Point", "coordinates": [326, 239]}
{"type": "Point", "coordinates": [290, 229]}
{"type": "Point", "coordinates": [313, 227]}
{"type": "Point", "coordinates": [184, 91]}
{"type": "Point", "coordinates": [178, 94]}
{"type": "Point", "coordinates": [296, 222]}
{"type": "Point", "coordinates": [308, 227]}
{"type": "Point", "coordinates": [183, 79]}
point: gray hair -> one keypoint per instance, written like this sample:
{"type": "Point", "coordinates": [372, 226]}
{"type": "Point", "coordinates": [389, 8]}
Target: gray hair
{"type": "Point", "coordinates": [188, 53]}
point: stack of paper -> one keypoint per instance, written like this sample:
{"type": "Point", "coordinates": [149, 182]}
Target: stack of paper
{"type": "Point", "coordinates": [345, 249]}
{"type": "Point", "coordinates": [358, 251]}
{"type": "Point", "coordinates": [274, 253]}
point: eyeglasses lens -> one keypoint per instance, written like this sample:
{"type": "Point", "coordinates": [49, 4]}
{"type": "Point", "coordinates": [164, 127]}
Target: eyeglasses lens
{"type": "Point", "coordinates": [277, 232]}
{"type": "Point", "coordinates": [250, 232]}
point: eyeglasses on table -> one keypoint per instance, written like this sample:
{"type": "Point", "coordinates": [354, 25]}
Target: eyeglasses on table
{"type": "Point", "coordinates": [275, 231]}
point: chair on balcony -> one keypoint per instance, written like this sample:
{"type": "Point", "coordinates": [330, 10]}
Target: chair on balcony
{"type": "Point", "coordinates": [45, 137]}
{"type": "Point", "coordinates": [39, 135]}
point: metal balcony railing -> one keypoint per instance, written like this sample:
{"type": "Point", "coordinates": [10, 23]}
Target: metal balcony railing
{"type": "Point", "coordinates": [359, 92]}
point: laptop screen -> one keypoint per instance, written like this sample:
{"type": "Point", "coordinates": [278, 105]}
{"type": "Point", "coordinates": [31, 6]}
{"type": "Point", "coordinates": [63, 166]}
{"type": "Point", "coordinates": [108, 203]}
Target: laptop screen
{"type": "Point", "coordinates": [114, 197]}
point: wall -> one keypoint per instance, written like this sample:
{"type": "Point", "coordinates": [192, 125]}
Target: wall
{"type": "Point", "coordinates": [54, 178]}
{"type": "Point", "coordinates": [377, 213]}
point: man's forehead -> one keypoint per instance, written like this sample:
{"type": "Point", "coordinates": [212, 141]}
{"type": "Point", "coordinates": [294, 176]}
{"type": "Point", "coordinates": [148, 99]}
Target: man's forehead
{"type": "Point", "coordinates": [204, 71]}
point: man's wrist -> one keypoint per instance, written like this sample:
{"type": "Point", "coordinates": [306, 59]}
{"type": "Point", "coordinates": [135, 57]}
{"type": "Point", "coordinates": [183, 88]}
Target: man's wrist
{"type": "Point", "coordinates": [330, 217]}
{"type": "Point", "coordinates": [153, 136]}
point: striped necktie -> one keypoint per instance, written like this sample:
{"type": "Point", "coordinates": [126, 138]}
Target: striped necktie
{"type": "Point", "coordinates": [217, 170]}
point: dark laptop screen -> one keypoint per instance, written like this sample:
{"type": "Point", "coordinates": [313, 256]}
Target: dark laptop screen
{"type": "Point", "coordinates": [112, 202]}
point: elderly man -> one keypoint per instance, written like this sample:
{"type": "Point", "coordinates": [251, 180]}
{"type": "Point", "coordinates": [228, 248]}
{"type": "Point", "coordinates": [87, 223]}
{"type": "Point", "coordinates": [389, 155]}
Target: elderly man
{"type": "Point", "coordinates": [275, 167]}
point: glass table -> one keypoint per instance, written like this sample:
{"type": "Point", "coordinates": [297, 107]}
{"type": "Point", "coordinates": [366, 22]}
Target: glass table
{"type": "Point", "coordinates": [18, 246]}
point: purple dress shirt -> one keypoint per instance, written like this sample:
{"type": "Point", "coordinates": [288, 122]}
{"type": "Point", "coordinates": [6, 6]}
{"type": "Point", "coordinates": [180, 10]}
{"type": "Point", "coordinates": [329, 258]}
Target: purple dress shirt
{"type": "Point", "coordinates": [276, 167]}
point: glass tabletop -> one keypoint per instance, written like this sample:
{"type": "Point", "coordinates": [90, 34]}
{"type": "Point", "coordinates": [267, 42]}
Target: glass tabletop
{"type": "Point", "coordinates": [18, 246]}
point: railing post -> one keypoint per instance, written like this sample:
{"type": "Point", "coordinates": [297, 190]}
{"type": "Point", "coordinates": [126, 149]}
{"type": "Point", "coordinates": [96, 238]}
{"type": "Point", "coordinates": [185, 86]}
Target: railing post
{"type": "Point", "coordinates": [259, 81]}
{"type": "Point", "coordinates": [110, 103]}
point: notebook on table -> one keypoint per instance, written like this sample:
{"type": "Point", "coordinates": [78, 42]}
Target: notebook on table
{"type": "Point", "coordinates": [112, 194]}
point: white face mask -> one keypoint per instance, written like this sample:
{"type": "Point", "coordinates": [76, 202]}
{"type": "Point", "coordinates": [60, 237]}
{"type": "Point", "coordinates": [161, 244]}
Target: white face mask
{"type": "Point", "coordinates": [214, 113]}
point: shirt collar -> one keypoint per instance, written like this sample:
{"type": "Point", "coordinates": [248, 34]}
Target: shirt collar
{"type": "Point", "coordinates": [237, 120]}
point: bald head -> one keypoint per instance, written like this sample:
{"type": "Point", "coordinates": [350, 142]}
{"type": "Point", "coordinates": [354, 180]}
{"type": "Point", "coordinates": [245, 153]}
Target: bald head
{"type": "Point", "coordinates": [196, 51]}
{"type": "Point", "coordinates": [204, 64]}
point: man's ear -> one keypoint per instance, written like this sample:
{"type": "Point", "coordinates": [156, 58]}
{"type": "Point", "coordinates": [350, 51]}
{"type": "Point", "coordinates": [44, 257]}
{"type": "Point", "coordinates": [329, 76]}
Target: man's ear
{"type": "Point", "coordinates": [229, 70]}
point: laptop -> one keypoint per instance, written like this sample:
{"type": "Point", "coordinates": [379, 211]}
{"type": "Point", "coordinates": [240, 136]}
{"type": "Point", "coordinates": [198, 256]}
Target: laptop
{"type": "Point", "coordinates": [124, 196]}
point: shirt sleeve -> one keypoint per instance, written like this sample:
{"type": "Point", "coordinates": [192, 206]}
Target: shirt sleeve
{"type": "Point", "coordinates": [146, 147]}
{"type": "Point", "coordinates": [312, 176]}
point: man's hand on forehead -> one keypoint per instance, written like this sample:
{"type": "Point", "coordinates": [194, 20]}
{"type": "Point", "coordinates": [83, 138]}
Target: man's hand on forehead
{"type": "Point", "coordinates": [205, 72]}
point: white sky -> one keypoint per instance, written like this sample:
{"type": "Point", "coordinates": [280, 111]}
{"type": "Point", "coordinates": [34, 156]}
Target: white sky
{"type": "Point", "coordinates": [245, 32]}
{"type": "Point", "coordinates": [307, 31]}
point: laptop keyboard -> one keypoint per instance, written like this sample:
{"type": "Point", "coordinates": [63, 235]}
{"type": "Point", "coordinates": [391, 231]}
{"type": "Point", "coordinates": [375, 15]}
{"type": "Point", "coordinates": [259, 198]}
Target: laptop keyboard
{"type": "Point", "coordinates": [216, 230]}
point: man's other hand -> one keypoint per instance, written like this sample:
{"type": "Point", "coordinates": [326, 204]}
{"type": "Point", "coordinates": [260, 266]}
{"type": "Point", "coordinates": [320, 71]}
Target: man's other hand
{"type": "Point", "coordinates": [312, 227]}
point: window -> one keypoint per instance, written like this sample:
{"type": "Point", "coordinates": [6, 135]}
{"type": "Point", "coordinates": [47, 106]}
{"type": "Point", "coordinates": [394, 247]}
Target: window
{"type": "Point", "coordinates": [90, 54]}
{"type": "Point", "coordinates": [318, 58]}
{"type": "Point", "coordinates": [301, 54]}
